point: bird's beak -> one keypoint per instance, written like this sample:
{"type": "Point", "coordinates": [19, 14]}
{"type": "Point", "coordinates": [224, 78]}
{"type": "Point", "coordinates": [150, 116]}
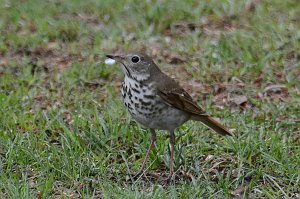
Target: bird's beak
{"type": "Point", "coordinates": [120, 59]}
{"type": "Point", "coordinates": [117, 58]}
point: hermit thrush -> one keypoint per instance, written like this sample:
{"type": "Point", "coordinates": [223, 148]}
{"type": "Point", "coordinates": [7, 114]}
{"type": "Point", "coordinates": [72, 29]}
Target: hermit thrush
{"type": "Point", "coordinates": [158, 102]}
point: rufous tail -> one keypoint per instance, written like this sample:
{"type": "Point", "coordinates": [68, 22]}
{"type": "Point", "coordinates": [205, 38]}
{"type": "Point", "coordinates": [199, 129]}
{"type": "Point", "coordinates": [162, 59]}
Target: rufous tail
{"type": "Point", "coordinates": [213, 124]}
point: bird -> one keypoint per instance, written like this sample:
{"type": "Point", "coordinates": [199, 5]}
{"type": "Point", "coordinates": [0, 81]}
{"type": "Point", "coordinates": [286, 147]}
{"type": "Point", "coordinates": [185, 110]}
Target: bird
{"type": "Point", "coordinates": [158, 102]}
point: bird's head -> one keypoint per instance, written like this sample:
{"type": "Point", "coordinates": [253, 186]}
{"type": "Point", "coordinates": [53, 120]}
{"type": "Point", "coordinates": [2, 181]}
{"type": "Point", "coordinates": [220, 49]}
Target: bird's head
{"type": "Point", "coordinates": [138, 66]}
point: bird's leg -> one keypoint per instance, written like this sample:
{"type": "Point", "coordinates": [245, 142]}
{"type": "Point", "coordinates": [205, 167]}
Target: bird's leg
{"type": "Point", "coordinates": [172, 143]}
{"type": "Point", "coordinates": [153, 140]}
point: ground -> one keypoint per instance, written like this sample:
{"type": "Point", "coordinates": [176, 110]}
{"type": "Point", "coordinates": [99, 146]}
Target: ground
{"type": "Point", "coordinates": [64, 132]}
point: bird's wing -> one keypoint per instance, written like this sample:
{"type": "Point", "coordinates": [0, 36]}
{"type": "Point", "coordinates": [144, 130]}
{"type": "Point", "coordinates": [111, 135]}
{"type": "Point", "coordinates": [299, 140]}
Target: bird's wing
{"type": "Point", "coordinates": [179, 98]}
{"type": "Point", "coordinates": [174, 95]}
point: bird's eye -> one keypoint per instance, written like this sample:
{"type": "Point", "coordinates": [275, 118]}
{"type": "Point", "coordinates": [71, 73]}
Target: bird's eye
{"type": "Point", "coordinates": [135, 59]}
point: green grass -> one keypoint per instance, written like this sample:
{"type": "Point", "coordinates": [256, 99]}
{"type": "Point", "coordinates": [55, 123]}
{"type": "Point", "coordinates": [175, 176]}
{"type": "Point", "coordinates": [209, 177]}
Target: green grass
{"type": "Point", "coordinates": [64, 132]}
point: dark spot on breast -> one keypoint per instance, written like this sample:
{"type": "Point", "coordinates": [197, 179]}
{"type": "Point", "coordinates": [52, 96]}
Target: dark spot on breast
{"type": "Point", "coordinates": [149, 96]}
{"type": "Point", "coordinates": [129, 93]}
{"type": "Point", "coordinates": [136, 90]}
{"type": "Point", "coordinates": [152, 107]}
{"type": "Point", "coordinates": [129, 106]}
{"type": "Point", "coordinates": [144, 108]}
{"type": "Point", "coordinates": [145, 103]}
{"type": "Point", "coordinates": [133, 113]}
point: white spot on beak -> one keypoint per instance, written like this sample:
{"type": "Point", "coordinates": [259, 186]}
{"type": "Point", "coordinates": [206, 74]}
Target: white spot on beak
{"type": "Point", "coordinates": [110, 61]}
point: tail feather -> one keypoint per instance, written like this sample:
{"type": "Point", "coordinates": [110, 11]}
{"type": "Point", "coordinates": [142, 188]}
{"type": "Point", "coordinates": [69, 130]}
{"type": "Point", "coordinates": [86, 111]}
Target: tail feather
{"type": "Point", "coordinates": [213, 124]}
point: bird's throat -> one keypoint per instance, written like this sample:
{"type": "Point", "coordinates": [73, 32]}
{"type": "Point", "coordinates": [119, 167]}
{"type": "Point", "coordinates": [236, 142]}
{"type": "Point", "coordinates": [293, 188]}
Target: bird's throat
{"type": "Point", "coordinates": [126, 70]}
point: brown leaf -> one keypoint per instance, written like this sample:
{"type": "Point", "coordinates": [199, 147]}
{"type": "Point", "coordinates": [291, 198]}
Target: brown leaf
{"type": "Point", "coordinates": [40, 195]}
{"type": "Point", "coordinates": [176, 60]}
{"type": "Point", "coordinates": [220, 88]}
{"type": "Point", "coordinates": [63, 62]}
{"type": "Point", "coordinates": [3, 61]}
{"type": "Point", "coordinates": [274, 88]}
{"type": "Point", "coordinates": [196, 89]}
{"type": "Point", "coordinates": [238, 103]}
{"type": "Point", "coordinates": [67, 117]}
{"type": "Point", "coordinates": [258, 80]}
{"type": "Point", "coordinates": [238, 83]}
{"type": "Point", "coordinates": [238, 100]}
{"type": "Point", "coordinates": [220, 100]}
{"type": "Point", "coordinates": [239, 191]}
{"type": "Point", "coordinates": [276, 92]}
{"type": "Point", "coordinates": [156, 50]}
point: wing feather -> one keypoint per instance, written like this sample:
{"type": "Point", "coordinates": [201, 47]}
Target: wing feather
{"type": "Point", "coordinates": [180, 99]}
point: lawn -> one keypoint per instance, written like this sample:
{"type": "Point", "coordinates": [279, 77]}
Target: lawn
{"type": "Point", "coordinates": [64, 132]}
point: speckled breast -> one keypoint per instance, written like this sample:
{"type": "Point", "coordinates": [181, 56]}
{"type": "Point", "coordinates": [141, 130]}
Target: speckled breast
{"type": "Point", "coordinates": [148, 108]}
